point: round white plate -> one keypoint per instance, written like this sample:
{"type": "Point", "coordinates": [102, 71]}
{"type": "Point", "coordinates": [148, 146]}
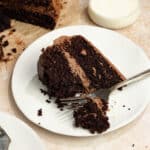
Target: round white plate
{"type": "Point", "coordinates": [22, 136]}
{"type": "Point", "coordinates": [125, 55]}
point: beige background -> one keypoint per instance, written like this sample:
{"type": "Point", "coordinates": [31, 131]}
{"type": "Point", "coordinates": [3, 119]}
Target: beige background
{"type": "Point", "coordinates": [137, 132]}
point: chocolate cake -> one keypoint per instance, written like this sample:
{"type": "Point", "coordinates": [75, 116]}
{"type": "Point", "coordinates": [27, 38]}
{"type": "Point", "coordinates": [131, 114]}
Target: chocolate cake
{"type": "Point", "coordinates": [73, 65]}
{"type": "Point", "coordinates": [4, 22]}
{"type": "Point", "coordinates": [44, 13]}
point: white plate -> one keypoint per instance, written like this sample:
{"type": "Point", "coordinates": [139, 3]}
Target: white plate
{"type": "Point", "coordinates": [127, 57]}
{"type": "Point", "coordinates": [22, 137]}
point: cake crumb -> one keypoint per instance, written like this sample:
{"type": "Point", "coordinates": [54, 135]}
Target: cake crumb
{"type": "Point", "coordinates": [120, 89]}
{"type": "Point", "coordinates": [8, 54]}
{"type": "Point", "coordinates": [11, 31]}
{"type": "Point", "coordinates": [43, 91]}
{"type": "Point", "coordinates": [14, 50]}
{"type": "Point", "coordinates": [40, 112]}
{"type": "Point", "coordinates": [2, 37]}
{"type": "Point", "coordinates": [48, 101]}
{"type": "Point", "coordinates": [6, 43]}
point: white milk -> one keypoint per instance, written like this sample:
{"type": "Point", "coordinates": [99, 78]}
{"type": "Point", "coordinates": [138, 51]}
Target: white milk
{"type": "Point", "coordinates": [114, 13]}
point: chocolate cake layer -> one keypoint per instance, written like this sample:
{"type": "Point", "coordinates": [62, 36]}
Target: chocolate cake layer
{"type": "Point", "coordinates": [98, 69]}
{"type": "Point", "coordinates": [53, 8]}
{"type": "Point", "coordinates": [43, 13]}
{"type": "Point", "coordinates": [55, 73]}
{"type": "Point", "coordinates": [33, 18]}
{"type": "Point", "coordinates": [30, 2]}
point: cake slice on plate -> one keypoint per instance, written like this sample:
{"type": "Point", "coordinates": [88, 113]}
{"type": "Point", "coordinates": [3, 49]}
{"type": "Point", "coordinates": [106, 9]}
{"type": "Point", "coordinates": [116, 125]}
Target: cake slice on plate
{"type": "Point", "coordinates": [74, 65]}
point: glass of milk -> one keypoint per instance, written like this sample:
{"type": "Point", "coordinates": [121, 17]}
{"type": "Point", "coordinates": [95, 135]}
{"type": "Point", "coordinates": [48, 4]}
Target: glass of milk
{"type": "Point", "coordinates": [114, 14]}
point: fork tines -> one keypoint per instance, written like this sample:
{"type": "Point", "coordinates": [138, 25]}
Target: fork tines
{"type": "Point", "coordinates": [73, 102]}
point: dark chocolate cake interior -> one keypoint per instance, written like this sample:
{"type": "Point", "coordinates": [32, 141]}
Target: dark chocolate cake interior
{"type": "Point", "coordinates": [58, 79]}
{"type": "Point", "coordinates": [5, 22]}
{"type": "Point", "coordinates": [44, 13]}
{"type": "Point", "coordinates": [91, 117]}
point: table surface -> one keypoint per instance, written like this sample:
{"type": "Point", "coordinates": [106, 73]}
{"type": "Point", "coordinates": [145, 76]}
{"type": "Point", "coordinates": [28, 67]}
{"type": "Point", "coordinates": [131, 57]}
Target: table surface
{"type": "Point", "coordinates": [136, 133]}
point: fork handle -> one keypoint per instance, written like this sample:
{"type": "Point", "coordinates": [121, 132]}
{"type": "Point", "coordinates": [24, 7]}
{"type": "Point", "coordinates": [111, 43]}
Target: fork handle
{"type": "Point", "coordinates": [133, 79]}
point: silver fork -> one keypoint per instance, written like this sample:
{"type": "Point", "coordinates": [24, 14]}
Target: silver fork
{"type": "Point", "coordinates": [105, 93]}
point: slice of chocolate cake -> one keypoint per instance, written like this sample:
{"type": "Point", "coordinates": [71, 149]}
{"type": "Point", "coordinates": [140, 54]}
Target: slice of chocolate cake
{"type": "Point", "coordinates": [73, 65]}
{"type": "Point", "coordinates": [44, 13]}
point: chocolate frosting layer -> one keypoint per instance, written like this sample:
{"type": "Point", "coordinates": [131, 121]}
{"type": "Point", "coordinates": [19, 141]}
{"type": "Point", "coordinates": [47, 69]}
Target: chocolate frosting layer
{"type": "Point", "coordinates": [75, 67]}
